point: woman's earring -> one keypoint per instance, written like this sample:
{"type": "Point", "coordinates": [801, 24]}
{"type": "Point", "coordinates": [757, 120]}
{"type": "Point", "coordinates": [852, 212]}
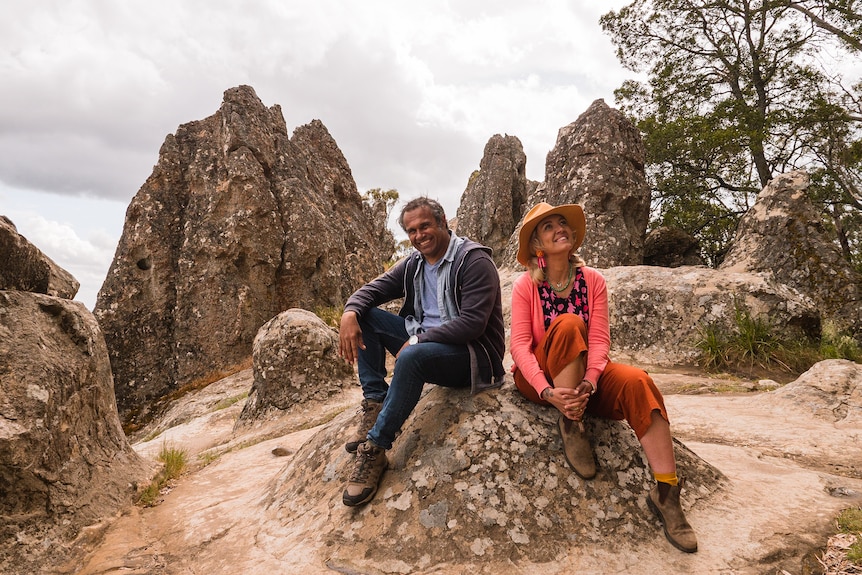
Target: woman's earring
{"type": "Point", "coordinates": [540, 260]}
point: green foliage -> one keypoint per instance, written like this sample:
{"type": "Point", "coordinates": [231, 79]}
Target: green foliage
{"type": "Point", "coordinates": [331, 315]}
{"type": "Point", "coordinates": [736, 92]}
{"type": "Point", "coordinates": [174, 462]}
{"type": "Point", "coordinates": [850, 521]}
{"type": "Point", "coordinates": [837, 345]}
{"type": "Point", "coordinates": [751, 344]}
{"type": "Point", "coordinates": [385, 198]}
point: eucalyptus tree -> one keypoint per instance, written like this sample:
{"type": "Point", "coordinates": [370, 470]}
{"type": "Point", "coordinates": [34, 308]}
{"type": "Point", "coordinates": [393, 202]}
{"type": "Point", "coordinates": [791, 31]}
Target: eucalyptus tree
{"type": "Point", "coordinates": [736, 91]}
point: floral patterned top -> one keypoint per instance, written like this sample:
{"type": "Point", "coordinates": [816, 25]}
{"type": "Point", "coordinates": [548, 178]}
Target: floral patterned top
{"type": "Point", "coordinates": [553, 305]}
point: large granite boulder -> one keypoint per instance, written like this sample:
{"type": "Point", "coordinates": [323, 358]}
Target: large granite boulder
{"type": "Point", "coordinates": [64, 461]}
{"type": "Point", "coordinates": [493, 202]}
{"type": "Point", "coordinates": [598, 162]}
{"type": "Point", "coordinates": [26, 268]}
{"type": "Point", "coordinates": [476, 479]}
{"type": "Point", "coordinates": [657, 314]}
{"type": "Point", "coordinates": [236, 223]}
{"type": "Point", "coordinates": [295, 360]}
{"type": "Point", "coordinates": [783, 235]}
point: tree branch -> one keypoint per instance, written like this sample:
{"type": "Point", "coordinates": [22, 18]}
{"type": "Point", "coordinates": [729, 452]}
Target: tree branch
{"type": "Point", "coordinates": [821, 23]}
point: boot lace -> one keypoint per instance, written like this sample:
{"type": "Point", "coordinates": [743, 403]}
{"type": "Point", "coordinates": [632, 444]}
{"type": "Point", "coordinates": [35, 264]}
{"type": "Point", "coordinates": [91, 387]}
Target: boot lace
{"type": "Point", "coordinates": [364, 462]}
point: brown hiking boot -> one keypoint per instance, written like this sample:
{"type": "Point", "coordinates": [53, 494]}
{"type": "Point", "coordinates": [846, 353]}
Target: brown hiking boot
{"type": "Point", "coordinates": [370, 410]}
{"type": "Point", "coordinates": [663, 499]}
{"type": "Point", "coordinates": [576, 447]}
{"type": "Point", "coordinates": [368, 468]}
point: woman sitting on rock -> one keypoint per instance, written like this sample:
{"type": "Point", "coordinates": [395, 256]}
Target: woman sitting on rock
{"type": "Point", "coordinates": [560, 341]}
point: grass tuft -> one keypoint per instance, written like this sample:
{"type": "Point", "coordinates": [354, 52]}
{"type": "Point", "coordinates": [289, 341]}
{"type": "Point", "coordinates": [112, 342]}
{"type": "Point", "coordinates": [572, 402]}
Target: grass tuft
{"type": "Point", "coordinates": [850, 521]}
{"type": "Point", "coordinates": [750, 344]}
{"type": "Point", "coordinates": [174, 462]}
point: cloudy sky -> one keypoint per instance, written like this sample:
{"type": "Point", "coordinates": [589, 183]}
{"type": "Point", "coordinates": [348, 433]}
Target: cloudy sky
{"type": "Point", "coordinates": [411, 92]}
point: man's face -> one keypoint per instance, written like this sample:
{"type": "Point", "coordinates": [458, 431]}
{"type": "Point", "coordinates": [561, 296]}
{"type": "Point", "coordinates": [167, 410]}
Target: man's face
{"type": "Point", "coordinates": [426, 235]}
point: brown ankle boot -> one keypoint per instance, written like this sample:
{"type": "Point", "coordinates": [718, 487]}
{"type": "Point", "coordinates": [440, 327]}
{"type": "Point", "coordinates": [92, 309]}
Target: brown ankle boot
{"type": "Point", "coordinates": [367, 470]}
{"type": "Point", "coordinates": [663, 499]}
{"type": "Point", "coordinates": [576, 447]}
{"type": "Point", "coordinates": [370, 411]}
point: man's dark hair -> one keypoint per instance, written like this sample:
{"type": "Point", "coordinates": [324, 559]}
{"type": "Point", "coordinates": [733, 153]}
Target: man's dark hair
{"type": "Point", "coordinates": [424, 202]}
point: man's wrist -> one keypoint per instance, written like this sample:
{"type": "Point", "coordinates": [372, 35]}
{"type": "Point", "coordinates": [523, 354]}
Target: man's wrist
{"type": "Point", "coordinates": [547, 393]}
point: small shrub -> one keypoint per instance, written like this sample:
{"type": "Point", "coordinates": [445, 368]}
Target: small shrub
{"type": "Point", "coordinates": [174, 463]}
{"type": "Point", "coordinates": [850, 521]}
{"type": "Point", "coordinates": [751, 343]}
{"type": "Point", "coordinates": [837, 345]}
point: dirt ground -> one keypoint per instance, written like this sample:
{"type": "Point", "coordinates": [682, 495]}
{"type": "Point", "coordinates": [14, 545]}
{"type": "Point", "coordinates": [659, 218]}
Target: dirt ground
{"type": "Point", "coordinates": [790, 477]}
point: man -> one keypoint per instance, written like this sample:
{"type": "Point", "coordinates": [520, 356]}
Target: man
{"type": "Point", "coordinates": [449, 332]}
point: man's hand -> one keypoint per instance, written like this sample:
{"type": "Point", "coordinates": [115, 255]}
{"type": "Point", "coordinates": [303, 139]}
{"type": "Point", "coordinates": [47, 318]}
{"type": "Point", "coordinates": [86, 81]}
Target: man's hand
{"type": "Point", "coordinates": [349, 337]}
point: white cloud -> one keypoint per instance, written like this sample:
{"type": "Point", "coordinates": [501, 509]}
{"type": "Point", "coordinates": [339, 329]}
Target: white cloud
{"type": "Point", "coordinates": [410, 91]}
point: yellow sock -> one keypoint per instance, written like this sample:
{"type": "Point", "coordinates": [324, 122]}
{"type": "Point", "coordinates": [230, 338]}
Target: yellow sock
{"type": "Point", "coordinates": [666, 478]}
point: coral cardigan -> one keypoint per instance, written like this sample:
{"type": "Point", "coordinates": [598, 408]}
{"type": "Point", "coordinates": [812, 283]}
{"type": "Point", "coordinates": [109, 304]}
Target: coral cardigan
{"type": "Point", "coordinates": [528, 328]}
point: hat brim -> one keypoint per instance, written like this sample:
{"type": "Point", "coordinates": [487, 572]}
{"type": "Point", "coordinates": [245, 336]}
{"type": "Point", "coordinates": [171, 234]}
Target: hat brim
{"type": "Point", "coordinates": [573, 213]}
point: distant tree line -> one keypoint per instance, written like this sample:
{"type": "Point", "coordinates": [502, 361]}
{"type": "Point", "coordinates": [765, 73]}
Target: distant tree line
{"type": "Point", "coordinates": [736, 92]}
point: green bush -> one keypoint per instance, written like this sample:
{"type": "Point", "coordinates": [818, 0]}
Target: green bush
{"type": "Point", "coordinates": [750, 344]}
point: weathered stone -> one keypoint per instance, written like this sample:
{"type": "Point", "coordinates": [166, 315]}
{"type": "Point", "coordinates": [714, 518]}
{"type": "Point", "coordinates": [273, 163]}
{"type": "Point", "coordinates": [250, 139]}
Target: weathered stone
{"type": "Point", "coordinates": [671, 248]}
{"type": "Point", "coordinates": [477, 479]}
{"type": "Point", "coordinates": [495, 196]}
{"type": "Point", "coordinates": [64, 460]}
{"type": "Point", "coordinates": [829, 390]}
{"type": "Point", "coordinates": [783, 235]}
{"type": "Point", "coordinates": [236, 223]}
{"type": "Point", "coordinates": [598, 162]}
{"type": "Point", "coordinates": [295, 360]}
{"type": "Point", "coordinates": [657, 314]}
{"type": "Point", "coordinates": [26, 268]}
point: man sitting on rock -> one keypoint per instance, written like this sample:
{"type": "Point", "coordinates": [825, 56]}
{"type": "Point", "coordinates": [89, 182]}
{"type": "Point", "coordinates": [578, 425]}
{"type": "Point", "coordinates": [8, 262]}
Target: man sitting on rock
{"type": "Point", "coordinates": [449, 332]}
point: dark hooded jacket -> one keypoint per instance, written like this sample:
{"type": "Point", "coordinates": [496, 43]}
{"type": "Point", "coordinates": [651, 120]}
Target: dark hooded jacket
{"type": "Point", "coordinates": [479, 324]}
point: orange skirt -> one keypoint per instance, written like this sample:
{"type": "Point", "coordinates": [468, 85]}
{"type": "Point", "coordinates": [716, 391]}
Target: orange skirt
{"type": "Point", "coordinates": [624, 392]}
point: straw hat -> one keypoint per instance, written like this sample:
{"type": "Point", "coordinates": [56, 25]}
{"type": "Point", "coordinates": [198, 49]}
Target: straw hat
{"type": "Point", "coordinates": [573, 213]}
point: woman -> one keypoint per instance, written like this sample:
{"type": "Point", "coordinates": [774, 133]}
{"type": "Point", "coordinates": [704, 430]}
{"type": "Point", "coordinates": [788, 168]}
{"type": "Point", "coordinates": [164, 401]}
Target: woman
{"type": "Point", "coordinates": [560, 341]}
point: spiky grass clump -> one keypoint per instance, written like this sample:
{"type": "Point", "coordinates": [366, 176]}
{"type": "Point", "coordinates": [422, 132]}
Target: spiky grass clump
{"type": "Point", "coordinates": [174, 462]}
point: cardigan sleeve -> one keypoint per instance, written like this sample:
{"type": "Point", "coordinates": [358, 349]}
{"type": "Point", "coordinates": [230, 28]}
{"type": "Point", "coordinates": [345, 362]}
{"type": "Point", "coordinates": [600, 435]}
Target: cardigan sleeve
{"type": "Point", "coordinates": [598, 328]}
{"type": "Point", "coordinates": [522, 339]}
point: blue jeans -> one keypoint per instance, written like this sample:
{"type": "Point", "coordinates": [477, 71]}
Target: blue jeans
{"type": "Point", "coordinates": [438, 363]}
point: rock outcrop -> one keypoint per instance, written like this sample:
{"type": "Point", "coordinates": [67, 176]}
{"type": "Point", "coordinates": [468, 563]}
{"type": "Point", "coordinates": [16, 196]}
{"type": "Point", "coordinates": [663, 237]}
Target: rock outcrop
{"type": "Point", "coordinates": [295, 360]}
{"type": "Point", "coordinates": [598, 162]}
{"type": "Point", "coordinates": [657, 313]}
{"type": "Point", "coordinates": [476, 479]}
{"type": "Point", "coordinates": [830, 390]}
{"type": "Point", "coordinates": [26, 268]}
{"type": "Point", "coordinates": [494, 200]}
{"type": "Point", "coordinates": [64, 460]}
{"type": "Point", "coordinates": [236, 223]}
{"type": "Point", "coordinates": [783, 235]}
{"type": "Point", "coordinates": [671, 247]}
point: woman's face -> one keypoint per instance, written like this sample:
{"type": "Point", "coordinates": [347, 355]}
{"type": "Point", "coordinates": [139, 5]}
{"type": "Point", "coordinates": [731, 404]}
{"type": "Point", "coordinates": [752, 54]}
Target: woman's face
{"type": "Point", "coordinates": [555, 235]}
